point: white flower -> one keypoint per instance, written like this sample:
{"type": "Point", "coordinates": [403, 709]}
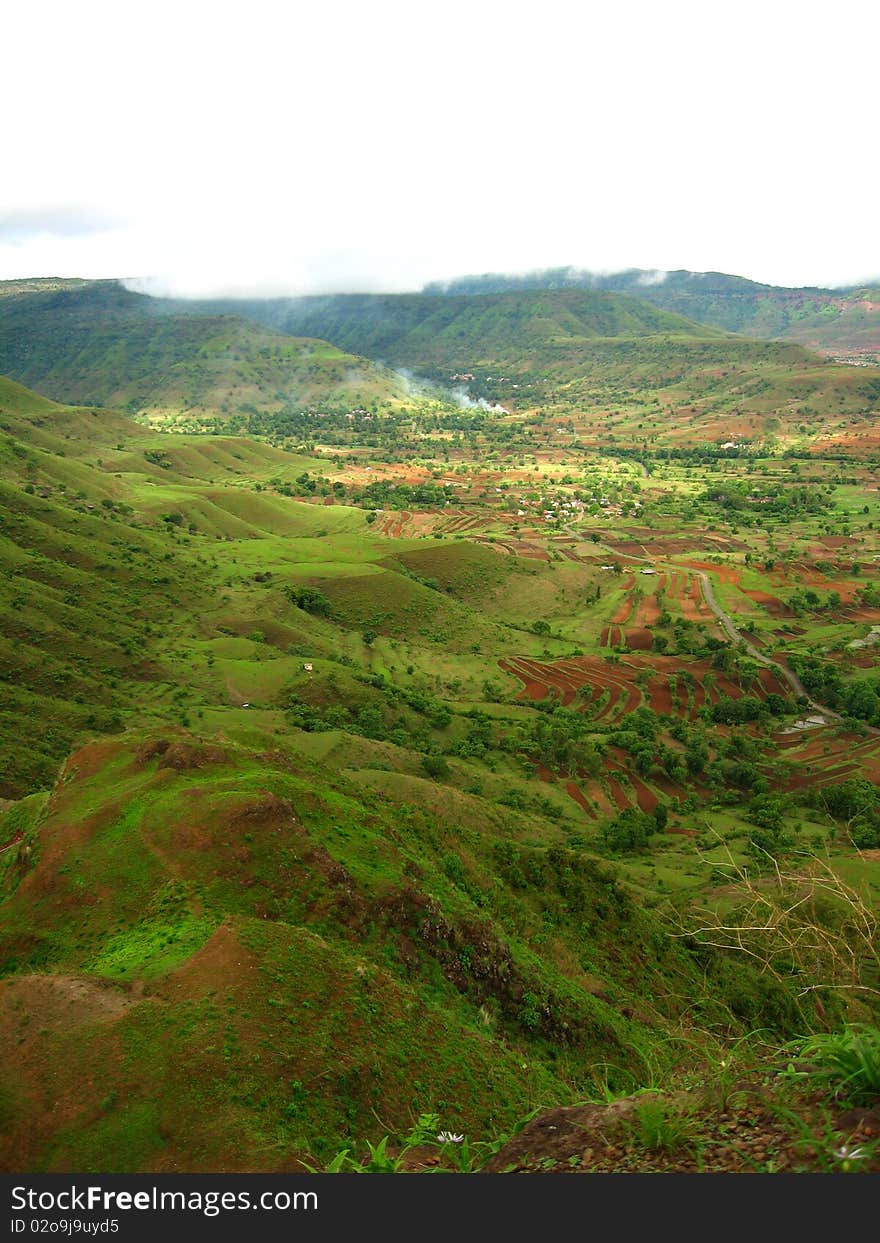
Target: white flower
{"type": "Point", "coordinates": [849, 1154]}
{"type": "Point", "coordinates": [447, 1137]}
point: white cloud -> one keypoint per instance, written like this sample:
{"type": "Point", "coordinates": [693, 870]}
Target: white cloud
{"type": "Point", "coordinates": [284, 148]}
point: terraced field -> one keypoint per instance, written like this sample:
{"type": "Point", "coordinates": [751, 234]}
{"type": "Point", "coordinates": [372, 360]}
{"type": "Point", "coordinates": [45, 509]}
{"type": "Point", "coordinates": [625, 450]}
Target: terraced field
{"type": "Point", "coordinates": [613, 690]}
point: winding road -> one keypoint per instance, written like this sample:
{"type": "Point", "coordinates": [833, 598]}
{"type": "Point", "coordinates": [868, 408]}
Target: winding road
{"type": "Point", "coordinates": [736, 636]}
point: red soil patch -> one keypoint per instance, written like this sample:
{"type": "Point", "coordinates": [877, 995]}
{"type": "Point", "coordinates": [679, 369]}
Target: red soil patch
{"type": "Point", "coordinates": [863, 614]}
{"type": "Point", "coordinates": [693, 606]}
{"type": "Point", "coordinates": [649, 613]}
{"type": "Point", "coordinates": [725, 573]}
{"type": "Point", "coordinates": [660, 695]}
{"type": "Point", "coordinates": [621, 801]}
{"type": "Point", "coordinates": [838, 774]}
{"type": "Point", "coordinates": [645, 797]}
{"type": "Point", "coordinates": [623, 613]}
{"type": "Point", "coordinates": [577, 794]}
{"type": "Point", "coordinates": [68, 999]}
{"type": "Point", "coordinates": [771, 684]}
{"type": "Point", "coordinates": [531, 551]}
{"type": "Point", "coordinates": [639, 640]}
{"type": "Point", "coordinates": [583, 680]}
{"type": "Point", "coordinates": [615, 692]}
{"type": "Point", "coordinates": [221, 963]}
{"type": "Point", "coordinates": [90, 759]}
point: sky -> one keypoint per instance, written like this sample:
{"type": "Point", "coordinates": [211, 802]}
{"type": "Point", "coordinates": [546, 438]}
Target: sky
{"type": "Point", "coordinates": [271, 148]}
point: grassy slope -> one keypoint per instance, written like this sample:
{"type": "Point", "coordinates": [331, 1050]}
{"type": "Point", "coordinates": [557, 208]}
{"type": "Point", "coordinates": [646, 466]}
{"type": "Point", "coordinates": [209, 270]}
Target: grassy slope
{"type": "Point", "coordinates": [431, 333]}
{"type": "Point", "coordinates": [851, 326]}
{"type": "Point", "coordinates": [92, 587]}
{"type": "Point", "coordinates": [237, 957]}
{"type": "Point", "coordinates": [114, 613]}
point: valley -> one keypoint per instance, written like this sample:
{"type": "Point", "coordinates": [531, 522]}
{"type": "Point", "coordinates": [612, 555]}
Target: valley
{"type": "Point", "coordinates": [377, 743]}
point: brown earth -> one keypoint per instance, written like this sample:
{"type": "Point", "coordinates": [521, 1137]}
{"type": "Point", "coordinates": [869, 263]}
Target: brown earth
{"type": "Point", "coordinates": [726, 573]}
{"type": "Point", "coordinates": [745, 1133]}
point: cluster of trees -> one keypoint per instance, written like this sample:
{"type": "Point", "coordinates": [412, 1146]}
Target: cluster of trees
{"type": "Point", "coordinates": [631, 830]}
{"type": "Point", "coordinates": [809, 601]}
{"type": "Point", "coordinates": [391, 494]}
{"type": "Point", "coordinates": [746, 710]}
{"type": "Point", "coordinates": [855, 804]}
{"type": "Point", "coordinates": [310, 599]}
{"type": "Point", "coordinates": [381, 720]}
{"type": "Point", "coordinates": [859, 700]}
{"type": "Point", "coordinates": [781, 501]}
{"type": "Point", "coordinates": [640, 741]}
{"type": "Point", "coordinates": [559, 741]}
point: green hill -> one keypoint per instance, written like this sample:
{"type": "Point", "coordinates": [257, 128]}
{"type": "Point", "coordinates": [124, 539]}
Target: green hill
{"type": "Point", "coordinates": [99, 344]}
{"type": "Point", "coordinates": [568, 350]}
{"type": "Point", "coordinates": [412, 330]}
{"type": "Point", "coordinates": [94, 579]}
{"type": "Point", "coordinates": [732, 303]}
{"type": "Point", "coordinates": [242, 959]}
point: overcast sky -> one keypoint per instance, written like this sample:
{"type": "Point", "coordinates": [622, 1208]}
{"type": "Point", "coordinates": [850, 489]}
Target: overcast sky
{"type": "Point", "coordinates": [284, 147]}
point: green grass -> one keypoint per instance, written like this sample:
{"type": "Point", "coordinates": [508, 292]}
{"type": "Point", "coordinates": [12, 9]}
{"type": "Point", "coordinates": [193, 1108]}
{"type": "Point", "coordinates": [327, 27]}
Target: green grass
{"type": "Point", "coordinates": [848, 1060]}
{"type": "Point", "coordinates": [151, 948]}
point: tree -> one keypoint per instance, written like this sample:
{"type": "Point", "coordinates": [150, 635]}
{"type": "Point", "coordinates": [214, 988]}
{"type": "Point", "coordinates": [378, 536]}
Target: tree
{"type": "Point", "coordinates": [436, 767]}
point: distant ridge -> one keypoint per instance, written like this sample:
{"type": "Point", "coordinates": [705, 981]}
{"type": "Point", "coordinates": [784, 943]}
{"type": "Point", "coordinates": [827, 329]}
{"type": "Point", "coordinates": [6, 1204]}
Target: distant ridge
{"type": "Point", "coordinates": [835, 321]}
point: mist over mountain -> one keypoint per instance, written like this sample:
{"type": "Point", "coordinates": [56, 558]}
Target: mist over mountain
{"type": "Point", "coordinates": [733, 303]}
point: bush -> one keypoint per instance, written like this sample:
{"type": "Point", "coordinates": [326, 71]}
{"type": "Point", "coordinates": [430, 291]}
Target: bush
{"type": "Point", "coordinates": [309, 599]}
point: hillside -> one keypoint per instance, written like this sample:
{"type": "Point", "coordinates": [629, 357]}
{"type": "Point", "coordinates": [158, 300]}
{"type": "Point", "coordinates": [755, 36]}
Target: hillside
{"type": "Point", "coordinates": [585, 355]}
{"type": "Point", "coordinates": [848, 329]}
{"type": "Point", "coordinates": [589, 356]}
{"type": "Point", "coordinates": [438, 761]}
{"type": "Point", "coordinates": [91, 577]}
{"type": "Point", "coordinates": [838, 322]}
{"type": "Point", "coordinates": [271, 955]}
{"type": "Point", "coordinates": [98, 344]}
{"type": "Point", "coordinates": [413, 330]}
